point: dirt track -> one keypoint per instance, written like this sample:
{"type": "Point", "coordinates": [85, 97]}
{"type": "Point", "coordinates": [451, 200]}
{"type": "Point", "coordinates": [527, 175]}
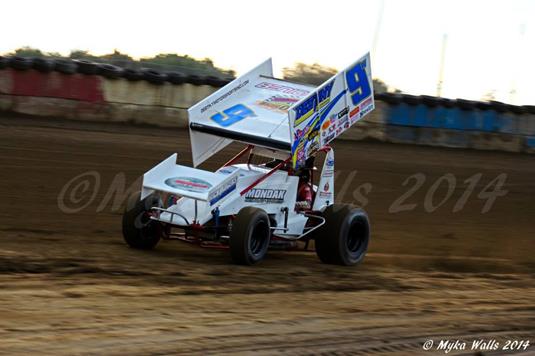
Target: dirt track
{"type": "Point", "coordinates": [69, 285]}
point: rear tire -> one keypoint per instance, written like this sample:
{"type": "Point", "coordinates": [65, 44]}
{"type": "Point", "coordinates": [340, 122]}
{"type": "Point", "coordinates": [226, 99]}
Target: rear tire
{"type": "Point", "coordinates": [250, 236]}
{"type": "Point", "coordinates": [139, 231]}
{"type": "Point", "coordinates": [344, 238]}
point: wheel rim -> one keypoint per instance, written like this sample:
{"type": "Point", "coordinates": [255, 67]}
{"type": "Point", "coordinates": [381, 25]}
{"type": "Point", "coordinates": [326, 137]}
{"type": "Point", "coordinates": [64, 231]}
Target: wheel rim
{"type": "Point", "coordinates": [149, 228]}
{"type": "Point", "coordinates": [259, 237]}
{"type": "Point", "coordinates": [357, 235]}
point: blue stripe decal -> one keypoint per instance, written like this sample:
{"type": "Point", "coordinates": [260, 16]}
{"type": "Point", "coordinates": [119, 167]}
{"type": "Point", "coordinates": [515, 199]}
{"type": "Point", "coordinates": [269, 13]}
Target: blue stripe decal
{"type": "Point", "coordinates": [331, 105]}
{"type": "Point", "coordinates": [222, 195]}
{"type": "Point", "coordinates": [323, 115]}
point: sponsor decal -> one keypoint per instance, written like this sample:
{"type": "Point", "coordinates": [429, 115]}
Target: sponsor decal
{"type": "Point", "coordinates": [299, 155]}
{"type": "Point", "coordinates": [354, 112]}
{"type": "Point", "coordinates": [365, 111]}
{"type": "Point", "coordinates": [343, 121]}
{"type": "Point", "coordinates": [330, 162]}
{"type": "Point", "coordinates": [329, 126]}
{"type": "Point", "coordinates": [330, 137]}
{"type": "Point", "coordinates": [283, 89]}
{"type": "Point", "coordinates": [306, 139]}
{"type": "Point", "coordinates": [326, 194]}
{"type": "Point", "coordinates": [366, 107]}
{"type": "Point", "coordinates": [333, 125]}
{"type": "Point", "coordinates": [190, 184]}
{"type": "Point", "coordinates": [324, 94]}
{"type": "Point", "coordinates": [326, 124]}
{"type": "Point", "coordinates": [343, 113]}
{"type": "Point", "coordinates": [222, 191]}
{"type": "Point", "coordinates": [365, 103]}
{"type": "Point", "coordinates": [342, 127]}
{"type": "Point", "coordinates": [226, 95]}
{"type": "Point", "coordinates": [278, 103]}
{"type": "Point", "coordinates": [328, 173]}
{"type": "Point", "coordinates": [328, 170]}
{"type": "Point", "coordinates": [258, 195]}
{"type": "Point", "coordinates": [306, 109]}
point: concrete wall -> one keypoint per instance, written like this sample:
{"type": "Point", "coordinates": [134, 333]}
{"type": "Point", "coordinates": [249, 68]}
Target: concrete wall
{"type": "Point", "coordinates": [91, 97]}
{"type": "Point", "coordinates": [397, 118]}
{"type": "Point", "coordinates": [468, 127]}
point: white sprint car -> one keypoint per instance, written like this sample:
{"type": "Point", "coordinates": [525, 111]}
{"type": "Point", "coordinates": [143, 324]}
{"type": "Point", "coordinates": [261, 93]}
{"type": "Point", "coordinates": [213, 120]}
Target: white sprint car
{"type": "Point", "coordinates": [248, 207]}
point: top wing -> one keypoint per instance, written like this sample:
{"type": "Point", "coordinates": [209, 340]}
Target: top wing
{"type": "Point", "coordinates": [252, 109]}
{"type": "Point", "coordinates": [263, 111]}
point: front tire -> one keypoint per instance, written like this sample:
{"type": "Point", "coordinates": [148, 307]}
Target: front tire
{"type": "Point", "coordinates": [250, 236]}
{"type": "Point", "coordinates": [344, 238]}
{"type": "Point", "coordinates": [139, 231]}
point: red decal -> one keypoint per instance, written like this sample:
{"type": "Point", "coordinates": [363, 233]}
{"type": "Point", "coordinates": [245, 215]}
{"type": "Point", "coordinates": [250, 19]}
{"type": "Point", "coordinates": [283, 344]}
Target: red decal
{"type": "Point", "coordinates": [354, 112]}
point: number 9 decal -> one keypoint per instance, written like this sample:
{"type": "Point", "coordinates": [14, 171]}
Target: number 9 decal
{"type": "Point", "coordinates": [358, 83]}
{"type": "Point", "coordinates": [232, 115]}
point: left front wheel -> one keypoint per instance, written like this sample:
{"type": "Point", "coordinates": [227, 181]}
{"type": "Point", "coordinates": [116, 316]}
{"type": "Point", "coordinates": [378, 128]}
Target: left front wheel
{"type": "Point", "coordinates": [250, 236]}
{"type": "Point", "coordinates": [139, 231]}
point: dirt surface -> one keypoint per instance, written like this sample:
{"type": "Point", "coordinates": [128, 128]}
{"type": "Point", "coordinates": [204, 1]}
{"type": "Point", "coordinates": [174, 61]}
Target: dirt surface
{"type": "Point", "coordinates": [69, 285]}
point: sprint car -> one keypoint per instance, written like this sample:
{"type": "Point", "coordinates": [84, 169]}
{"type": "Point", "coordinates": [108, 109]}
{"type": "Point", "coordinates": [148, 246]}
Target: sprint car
{"type": "Point", "coordinates": [249, 205]}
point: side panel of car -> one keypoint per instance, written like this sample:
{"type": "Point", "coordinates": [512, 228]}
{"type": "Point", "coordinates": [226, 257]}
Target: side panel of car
{"type": "Point", "coordinates": [325, 191]}
{"type": "Point", "coordinates": [271, 195]}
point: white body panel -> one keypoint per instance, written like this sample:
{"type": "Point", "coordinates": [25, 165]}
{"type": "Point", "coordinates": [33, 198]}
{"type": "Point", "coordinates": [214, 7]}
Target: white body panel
{"type": "Point", "coordinates": [325, 191]}
{"type": "Point", "coordinates": [189, 182]}
{"type": "Point", "coordinates": [272, 195]}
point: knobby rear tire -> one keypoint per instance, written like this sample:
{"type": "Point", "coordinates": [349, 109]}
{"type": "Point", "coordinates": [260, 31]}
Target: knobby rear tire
{"type": "Point", "coordinates": [344, 238]}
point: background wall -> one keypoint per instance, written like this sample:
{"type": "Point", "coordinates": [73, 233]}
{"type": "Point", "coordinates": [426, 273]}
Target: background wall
{"type": "Point", "coordinates": [397, 118]}
{"type": "Point", "coordinates": [92, 97]}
